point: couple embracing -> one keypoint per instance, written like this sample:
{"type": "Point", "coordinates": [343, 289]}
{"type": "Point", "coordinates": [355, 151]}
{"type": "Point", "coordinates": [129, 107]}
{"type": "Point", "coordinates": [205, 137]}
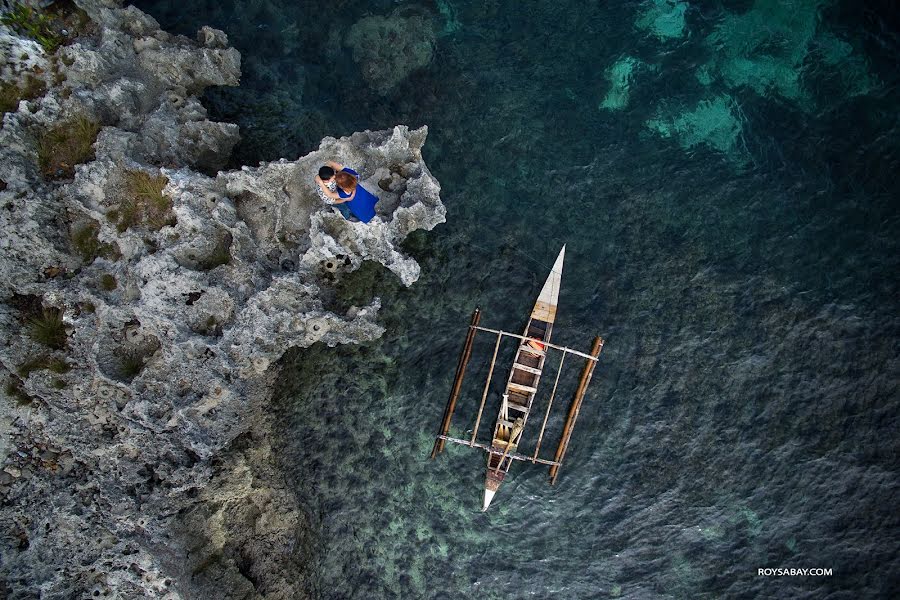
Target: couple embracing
{"type": "Point", "coordinates": [339, 186]}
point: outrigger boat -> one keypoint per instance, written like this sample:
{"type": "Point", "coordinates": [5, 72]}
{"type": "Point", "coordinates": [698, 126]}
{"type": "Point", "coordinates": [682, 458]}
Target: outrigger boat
{"type": "Point", "coordinates": [517, 400]}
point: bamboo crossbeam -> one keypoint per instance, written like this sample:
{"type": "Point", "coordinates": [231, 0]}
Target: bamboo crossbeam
{"type": "Point", "coordinates": [574, 408]}
{"type": "Point", "coordinates": [487, 385]}
{"type": "Point", "coordinates": [542, 342]}
{"type": "Point", "coordinates": [457, 384]}
{"type": "Point", "coordinates": [549, 406]}
{"type": "Point", "coordinates": [490, 450]}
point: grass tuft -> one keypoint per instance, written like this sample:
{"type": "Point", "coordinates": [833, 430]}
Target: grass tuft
{"type": "Point", "coordinates": [132, 365]}
{"type": "Point", "coordinates": [146, 204]}
{"type": "Point", "coordinates": [11, 94]}
{"type": "Point", "coordinates": [48, 328]}
{"type": "Point", "coordinates": [46, 26]}
{"type": "Point", "coordinates": [65, 145]}
{"type": "Point", "coordinates": [108, 282]}
{"type": "Point", "coordinates": [15, 389]}
{"type": "Point", "coordinates": [36, 24]}
{"type": "Point", "coordinates": [89, 247]}
{"type": "Point", "coordinates": [42, 362]}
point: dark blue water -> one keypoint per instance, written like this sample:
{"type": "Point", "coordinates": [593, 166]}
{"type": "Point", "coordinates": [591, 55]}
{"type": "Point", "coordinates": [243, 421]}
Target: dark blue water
{"type": "Point", "coordinates": [725, 179]}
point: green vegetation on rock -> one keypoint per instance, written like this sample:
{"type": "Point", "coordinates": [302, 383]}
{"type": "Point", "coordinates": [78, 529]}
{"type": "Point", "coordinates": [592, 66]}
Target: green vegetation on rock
{"type": "Point", "coordinates": [145, 204]}
{"type": "Point", "coordinates": [65, 145]}
{"type": "Point", "coordinates": [89, 247]}
{"type": "Point", "coordinates": [15, 389]}
{"type": "Point", "coordinates": [108, 282]}
{"type": "Point", "coordinates": [46, 26]}
{"type": "Point", "coordinates": [43, 362]}
{"type": "Point", "coordinates": [131, 366]}
{"type": "Point", "coordinates": [11, 94]}
{"type": "Point", "coordinates": [35, 24]}
{"type": "Point", "coordinates": [48, 328]}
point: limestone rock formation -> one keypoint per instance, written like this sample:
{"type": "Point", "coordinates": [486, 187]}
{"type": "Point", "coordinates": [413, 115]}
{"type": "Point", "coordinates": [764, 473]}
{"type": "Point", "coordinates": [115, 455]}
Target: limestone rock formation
{"type": "Point", "coordinates": [145, 297]}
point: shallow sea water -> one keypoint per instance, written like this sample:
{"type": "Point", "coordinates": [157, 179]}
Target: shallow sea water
{"type": "Point", "coordinates": [724, 177]}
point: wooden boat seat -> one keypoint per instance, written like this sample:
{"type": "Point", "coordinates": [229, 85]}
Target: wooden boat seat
{"type": "Point", "coordinates": [530, 350]}
{"type": "Point", "coordinates": [518, 398]}
{"type": "Point", "coordinates": [520, 377]}
{"type": "Point", "coordinates": [529, 360]}
{"type": "Point", "coordinates": [526, 368]}
{"type": "Point", "coordinates": [515, 387]}
{"type": "Point", "coordinates": [536, 332]}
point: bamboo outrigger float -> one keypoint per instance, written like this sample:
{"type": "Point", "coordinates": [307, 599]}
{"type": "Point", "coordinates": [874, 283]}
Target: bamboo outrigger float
{"type": "Point", "coordinates": [517, 400]}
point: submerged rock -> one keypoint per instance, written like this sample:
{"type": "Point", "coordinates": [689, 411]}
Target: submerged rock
{"type": "Point", "coordinates": [145, 298]}
{"type": "Point", "coordinates": [387, 49]}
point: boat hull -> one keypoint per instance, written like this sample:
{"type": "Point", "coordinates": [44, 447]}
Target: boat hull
{"type": "Point", "coordinates": [522, 384]}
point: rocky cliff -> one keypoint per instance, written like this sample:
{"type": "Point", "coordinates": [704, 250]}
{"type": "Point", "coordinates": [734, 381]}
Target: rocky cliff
{"type": "Point", "coordinates": [145, 297]}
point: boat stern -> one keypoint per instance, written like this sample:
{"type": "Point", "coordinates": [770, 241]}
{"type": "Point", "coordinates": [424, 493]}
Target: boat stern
{"type": "Point", "coordinates": [488, 496]}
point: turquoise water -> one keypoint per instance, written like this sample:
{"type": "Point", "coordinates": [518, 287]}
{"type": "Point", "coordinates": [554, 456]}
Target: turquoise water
{"type": "Point", "coordinates": [724, 178]}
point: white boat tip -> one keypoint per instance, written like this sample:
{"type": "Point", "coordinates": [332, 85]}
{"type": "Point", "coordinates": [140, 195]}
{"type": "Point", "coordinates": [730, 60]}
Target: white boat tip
{"type": "Point", "coordinates": [488, 496]}
{"type": "Point", "coordinates": [558, 263]}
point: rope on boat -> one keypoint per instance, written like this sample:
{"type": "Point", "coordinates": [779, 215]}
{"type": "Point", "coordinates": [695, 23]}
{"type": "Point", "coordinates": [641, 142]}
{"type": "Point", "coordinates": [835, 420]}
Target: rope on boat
{"type": "Point", "coordinates": [547, 267]}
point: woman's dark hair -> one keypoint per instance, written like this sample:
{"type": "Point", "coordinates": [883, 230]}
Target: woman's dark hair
{"type": "Point", "coordinates": [346, 181]}
{"type": "Point", "coordinates": [326, 173]}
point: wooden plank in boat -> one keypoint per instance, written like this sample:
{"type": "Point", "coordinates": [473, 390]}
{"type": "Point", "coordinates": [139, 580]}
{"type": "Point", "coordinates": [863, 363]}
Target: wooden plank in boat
{"type": "Point", "coordinates": [526, 368]}
{"type": "Point", "coordinates": [544, 311]}
{"type": "Point", "coordinates": [535, 330]}
{"type": "Point", "coordinates": [521, 388]}
{"type": "Point", "coordinates": [523, 378]}
{"type": "Point", "coordinates": [548, 299]}
{"type": "Point", "coordinates": [518, 398]}
{"type": "Point", "coordinates": [530, 350]}
{"type": "Point", "coordinates": [529, 360]}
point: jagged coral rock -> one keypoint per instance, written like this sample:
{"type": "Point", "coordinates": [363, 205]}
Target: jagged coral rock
{"type": "Point", "coordinates": [162, 361]}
